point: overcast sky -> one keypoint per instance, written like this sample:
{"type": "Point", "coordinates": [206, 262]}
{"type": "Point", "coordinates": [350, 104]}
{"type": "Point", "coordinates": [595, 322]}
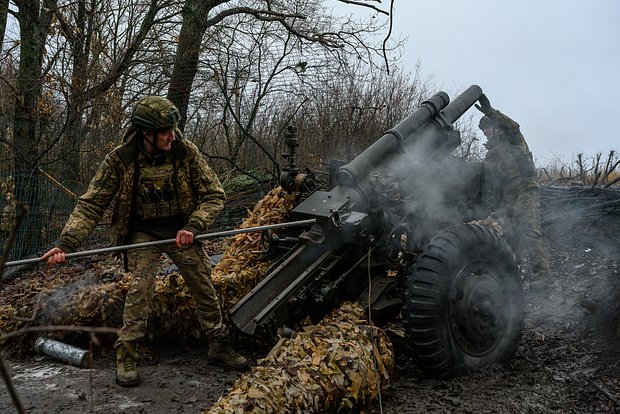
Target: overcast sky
{"type": "Point", "coordinates": [551, 65]}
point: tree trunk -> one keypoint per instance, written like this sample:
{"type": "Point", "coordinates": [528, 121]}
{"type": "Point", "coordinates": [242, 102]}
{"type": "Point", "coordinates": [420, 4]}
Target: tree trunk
{"type": "Point", "coordinates": [33, 23]}
{"type": "Point", "coordinates": [188, 52]}
{"type": "Point", "coordinates": [4, 10]}
{"type": "Point", "coordinates": [75, 126]}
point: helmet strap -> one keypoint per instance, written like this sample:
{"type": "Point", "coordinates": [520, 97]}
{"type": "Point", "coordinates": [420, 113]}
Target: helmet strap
{"type": "Point", "coordinates": [152, 140]}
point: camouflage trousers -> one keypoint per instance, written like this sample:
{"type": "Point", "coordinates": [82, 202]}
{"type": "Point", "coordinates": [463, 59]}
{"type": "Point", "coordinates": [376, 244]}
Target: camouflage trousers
{"type": "Point", "coordinates": [522, 230]}
{"type": "Point", "coordinates": [195, 266]}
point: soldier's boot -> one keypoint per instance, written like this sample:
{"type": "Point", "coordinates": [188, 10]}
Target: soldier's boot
{"type": "Point", "coordinates": [126, 368]}
{"type": "Point", "coordinates": [221, 351]}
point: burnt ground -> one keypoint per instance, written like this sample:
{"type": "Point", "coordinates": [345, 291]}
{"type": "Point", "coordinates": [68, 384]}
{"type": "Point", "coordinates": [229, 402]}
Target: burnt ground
{"type": "Point", "coordinates": [568, 361]}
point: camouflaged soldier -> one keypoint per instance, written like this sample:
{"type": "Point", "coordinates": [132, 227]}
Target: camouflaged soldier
{"type": "Point", "coordinates": [513, 188]}
{"type": "Point", "coordinates": [164, 189]}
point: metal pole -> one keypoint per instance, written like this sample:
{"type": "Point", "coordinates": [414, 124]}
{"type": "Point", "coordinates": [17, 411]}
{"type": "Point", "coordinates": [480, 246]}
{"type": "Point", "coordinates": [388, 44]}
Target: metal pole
{"type": "Point", "coordinates": [205, 236]}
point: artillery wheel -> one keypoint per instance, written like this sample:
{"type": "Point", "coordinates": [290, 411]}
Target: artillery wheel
{"type": "Point", "coordinates": [464, 301]}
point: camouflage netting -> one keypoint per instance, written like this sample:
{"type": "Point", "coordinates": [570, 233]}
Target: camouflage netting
{"type": "Point", "coordinates": [95, 296]}
{"type": "Point", "coordinates": [243, 264]}
{"type": "Point", "coordinates": [336, 365]}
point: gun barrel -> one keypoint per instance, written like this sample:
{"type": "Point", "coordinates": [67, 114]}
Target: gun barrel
{"type": "Point", "coordinates": [390, 143]}
{"type": "Point", "coordinates": [461, 104]}
{"type": "Point", "coordinates": [438, 108]}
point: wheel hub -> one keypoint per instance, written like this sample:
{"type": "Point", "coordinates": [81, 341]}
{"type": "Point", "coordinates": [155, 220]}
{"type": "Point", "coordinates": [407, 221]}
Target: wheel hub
{"type": "Point", "coordinates": [477, 311]}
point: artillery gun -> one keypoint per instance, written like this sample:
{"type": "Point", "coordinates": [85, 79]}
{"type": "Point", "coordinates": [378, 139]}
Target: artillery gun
{"type": "Point", "coordinates": [395, 233]}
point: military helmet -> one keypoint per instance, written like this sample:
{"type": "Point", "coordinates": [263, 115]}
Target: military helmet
{"type": "Point", "coordinates": [155, 112]}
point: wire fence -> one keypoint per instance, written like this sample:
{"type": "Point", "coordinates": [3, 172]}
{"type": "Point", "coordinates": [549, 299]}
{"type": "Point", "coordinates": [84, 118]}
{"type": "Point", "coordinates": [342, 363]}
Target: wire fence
{"type": "Point", "coordinates": [48, 209]}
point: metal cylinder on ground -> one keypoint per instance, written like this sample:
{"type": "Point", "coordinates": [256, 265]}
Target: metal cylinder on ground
{"type": "Point", "coordinates": [62, 352]}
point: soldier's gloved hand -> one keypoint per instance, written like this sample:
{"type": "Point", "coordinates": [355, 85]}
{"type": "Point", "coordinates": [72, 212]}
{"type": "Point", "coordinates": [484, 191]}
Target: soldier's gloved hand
{"type": "Point", "coordinates": [485, 106]}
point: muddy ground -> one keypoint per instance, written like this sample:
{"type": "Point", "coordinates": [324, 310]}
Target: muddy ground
{"type": "Point", "coordinates": [568, 361]}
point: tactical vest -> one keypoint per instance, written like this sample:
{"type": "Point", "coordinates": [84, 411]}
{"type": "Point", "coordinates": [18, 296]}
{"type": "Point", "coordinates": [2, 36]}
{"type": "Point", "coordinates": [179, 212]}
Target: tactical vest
{"type": "Point", "coordinates": [156, 192]}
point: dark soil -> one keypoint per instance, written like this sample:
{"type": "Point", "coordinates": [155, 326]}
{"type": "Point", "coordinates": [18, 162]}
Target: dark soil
{"type": "Point", "coordinates": [568, 361]}
{"type": "Point", "coordinates": [569, 358]}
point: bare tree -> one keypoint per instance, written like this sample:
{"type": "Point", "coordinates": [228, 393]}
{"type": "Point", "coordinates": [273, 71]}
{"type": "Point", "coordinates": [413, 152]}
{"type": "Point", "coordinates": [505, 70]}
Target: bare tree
{"type": "Point", "coordinates": [34, 19]}
{"type": "Point", "coordinates": [93, 68]}
{"type": "Point", "coordinates": [4, 11]}
{"type": "Point", "coordinates": [252, 69]}
{"type": "Point", "coordinates": [306, 20]}
{"type": "Point", "coordinates": [584, 170]}
{"type": "Point", "coordinates": [470, 149]}
{"type": "Point", "coordinates": [355, 107]}
{"type": "Point", "coordinates": [339, 109]}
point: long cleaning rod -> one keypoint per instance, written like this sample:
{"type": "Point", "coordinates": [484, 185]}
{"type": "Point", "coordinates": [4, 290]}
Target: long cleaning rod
{"type": "Point", "coordinates": [205, 236]}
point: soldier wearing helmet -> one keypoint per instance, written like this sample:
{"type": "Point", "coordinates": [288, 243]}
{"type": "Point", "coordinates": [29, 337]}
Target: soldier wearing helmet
{"type": "Point", "coordinates": [513, 189]}
{"type": "Point", "coordinates": [163, 188]}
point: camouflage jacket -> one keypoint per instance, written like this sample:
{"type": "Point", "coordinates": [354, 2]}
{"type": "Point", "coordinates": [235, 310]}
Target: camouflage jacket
{"type": "Point", "coordinates": [201, 195]}
{"type": "Point", "coordinates": [509, 165]}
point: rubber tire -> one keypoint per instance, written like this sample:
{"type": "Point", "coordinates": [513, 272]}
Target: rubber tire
{"type": "Point", "coordinates": [470, 261]}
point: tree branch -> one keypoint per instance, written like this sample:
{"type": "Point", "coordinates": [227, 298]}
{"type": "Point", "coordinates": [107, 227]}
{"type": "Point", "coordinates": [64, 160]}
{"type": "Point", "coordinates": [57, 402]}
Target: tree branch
{"type": "Point", "coordinates": [370, 6]}
{"type": "Point", "coordinates": [384, 46]}
{"type": "Point", "coordinates": [279, 17]}
{"type": "Point", "coordinates": [234, 165]}
{"type": "Point", "coordinates": [266, 15]}
{"type": "Point", "coordinates": [123, 63]}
